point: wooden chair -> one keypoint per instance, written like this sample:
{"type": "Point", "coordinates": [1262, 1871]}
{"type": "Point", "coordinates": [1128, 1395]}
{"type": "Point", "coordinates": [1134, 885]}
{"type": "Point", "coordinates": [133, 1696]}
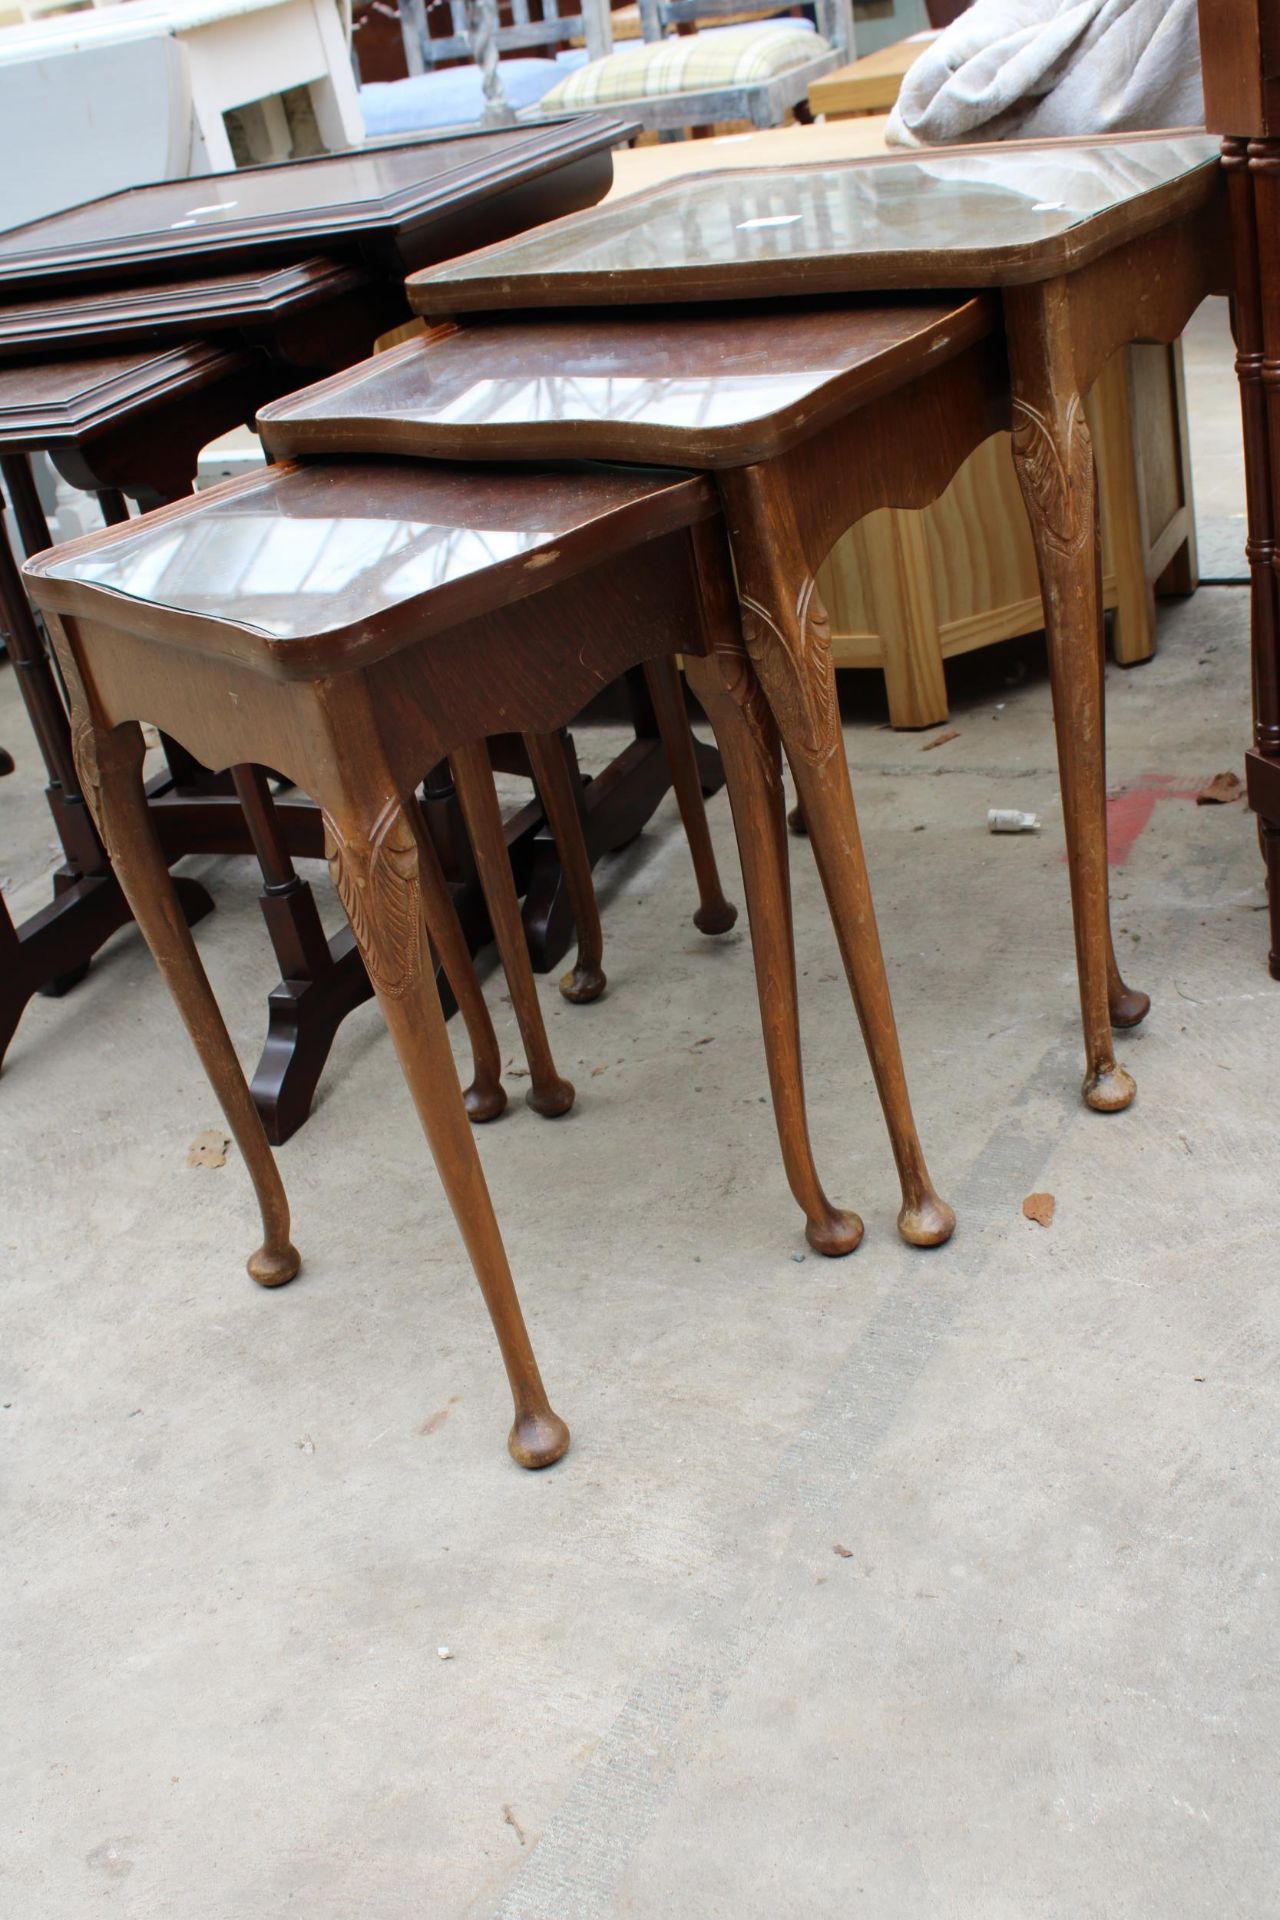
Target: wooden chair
{"type": "Point", "coordinates": [458, 77]}
{"type": "Point", "coordinates": [1240, 54]}
{"type": "Point", "coordinates": [396, 612]}
{"type": "Point", "coordinates": [672, 80]}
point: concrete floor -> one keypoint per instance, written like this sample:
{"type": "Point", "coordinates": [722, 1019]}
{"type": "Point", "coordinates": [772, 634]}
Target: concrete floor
{"type": "Point", "coordinates": [913, 1586]}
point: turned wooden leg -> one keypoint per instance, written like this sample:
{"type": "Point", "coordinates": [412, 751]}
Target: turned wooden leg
{"type": "Point", "coordinates": [377, 851]}
{"type": "Point", "coordinates": [109, 763]}
{"type": "Point", "coordinates": [715, 914]}
{"type": "Point", "coordinates": [1255, 203]}
{"type": "Point", "coordinates": [548, 1094]}
{"type": "Point", "coordinates": [1053, 457]}
{"type": "Point", "coordinates": [788, 641]}
{"type": "Point", "coordinates": [1269, 845]}
{"type": "Point", "coordinates": [586, 978]}
{"type": "Point", "coordinates": [748, 743]}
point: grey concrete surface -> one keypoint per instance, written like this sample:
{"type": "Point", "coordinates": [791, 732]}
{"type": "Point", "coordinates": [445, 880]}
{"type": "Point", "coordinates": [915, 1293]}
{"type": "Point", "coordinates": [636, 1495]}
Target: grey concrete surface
{"type": "Point", "coordinates": [912, 1587]}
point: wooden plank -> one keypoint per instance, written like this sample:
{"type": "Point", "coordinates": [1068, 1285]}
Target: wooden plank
{"type": "Point", "coordinates": [639, 169]}
{"type": "Point", "coordinates": [869, 85]}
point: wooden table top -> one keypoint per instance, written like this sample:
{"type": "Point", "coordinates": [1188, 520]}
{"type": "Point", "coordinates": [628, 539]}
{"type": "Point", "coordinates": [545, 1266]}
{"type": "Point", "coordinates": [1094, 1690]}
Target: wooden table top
{"type": "Point", "coordinates": [394, 206]}
{"type": "Point", "coordinates": [705, 390]}
{"type": "Point", "coordinates": [60, 403]}
{"type": "Point", "coordinates": [869, 85]}
{"type": "Point", "coordinates": [335, 565]}
{"type": "Point", "coordinates": [962, 217]}
{"type": "Point", "coordinates": [640, 169]}
{"type": "Point", "coordinates": [252, 301]}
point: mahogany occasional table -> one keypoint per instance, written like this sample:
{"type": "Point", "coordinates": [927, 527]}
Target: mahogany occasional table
{"type": "Point", "coordinates": [133, 423]}
{"type": "Point", "coordinates": [388, 209]}
{"type": "Point", "coordinates": [1092, 248]}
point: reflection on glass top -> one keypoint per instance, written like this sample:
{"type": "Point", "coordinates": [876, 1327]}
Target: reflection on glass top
{"type": "Point", "coordinates": [944, 203]}
{"type": "Point", "coordinates": [216, 200]}
{"type": "Point", "coordinates": [699, 374]}
{"type": "Point", "coordinates": [416, 391]}
{"type": "Point", "coordinates": [292, 577]}
{"type": "Point", "coordinates": [613, 397]}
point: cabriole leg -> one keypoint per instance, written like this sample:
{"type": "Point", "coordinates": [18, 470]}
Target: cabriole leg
{"type": "Point", "coordinates": [585, 980]}
{"type": "Point", "coordinates": [748, 743]}
{"type": "Point", "coordinates": [109, 763]}
{"type": "Point", "coordinates": [1053, 456]}
{"type": "Point", "coordinates": [377, 853]}
{"type": "Point", "coordinates": [715, 914]}
{"type": "Point", "coordinates": [788, 641]}
{"type": "Point", "coordinates": [548, 1094]}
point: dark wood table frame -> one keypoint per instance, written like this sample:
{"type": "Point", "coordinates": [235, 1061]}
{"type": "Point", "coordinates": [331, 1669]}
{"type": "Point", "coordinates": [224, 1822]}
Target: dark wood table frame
{"type": "Point", "coordinates": [129, 430]}
{"type": "Point", "coordinates": [1240, 51]}
{"type": "Point", "coordinates": [138, 432]}
{"type": "Point", "coordinates": [309, 315]}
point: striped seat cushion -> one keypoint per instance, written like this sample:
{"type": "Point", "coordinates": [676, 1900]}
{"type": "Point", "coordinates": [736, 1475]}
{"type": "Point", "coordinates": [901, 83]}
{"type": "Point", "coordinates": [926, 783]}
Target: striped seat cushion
{"type": "Point", "coordinates": [688, 63]}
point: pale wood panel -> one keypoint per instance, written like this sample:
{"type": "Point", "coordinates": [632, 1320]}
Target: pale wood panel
{"type": "Point", "coordinates": [975, 547]}
{"type": "Point", "coordinates": [869, 85]}
{"type": "Point", "coordinates": [638, 169]}
{"type": "Point", "coordinates": [1156, 426]}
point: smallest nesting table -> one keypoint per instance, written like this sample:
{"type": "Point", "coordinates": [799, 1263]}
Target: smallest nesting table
{"type": "Point", "coordinates": [394, 613]}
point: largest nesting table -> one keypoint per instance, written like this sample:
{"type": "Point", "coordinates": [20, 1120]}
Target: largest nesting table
{"type": "Point", "coordinates": [1089, 248]}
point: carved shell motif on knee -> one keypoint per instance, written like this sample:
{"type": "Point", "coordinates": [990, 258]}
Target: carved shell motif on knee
{"type": "Point", "coordinates": [1055, 465]}
{"type": "Point", "coordinates": [84, 752]}
{"type": "Point", "coordinates": [738, 677]}
{"type": "Point", "coordinates": [793, 657]}
{"type": "Point", "coordinates": [378, 884]}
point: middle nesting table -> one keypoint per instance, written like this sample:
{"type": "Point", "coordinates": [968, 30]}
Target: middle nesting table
{"type": "Point", "coordinates": [810, 418]}
{"type": "Point", "coordinates": [764, 399]}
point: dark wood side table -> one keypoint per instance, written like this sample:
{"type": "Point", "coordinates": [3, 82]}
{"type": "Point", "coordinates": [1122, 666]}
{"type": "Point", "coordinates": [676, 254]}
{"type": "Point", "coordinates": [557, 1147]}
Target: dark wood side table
{"type": "Point", "coordinates": [130, 423]}
{"type": "Point", "coordinates": [389, 209]}
{"type": "Point", "coordinates": [89, 277]}
{"type": "Point", "coordinates": [1092, 248]}
{"type": "Point", "coordinates": [134, 424]}
{"type": "Point", "coordinates": [312, 315]}
{"type": "Point", "coordinates": [1240, 54]}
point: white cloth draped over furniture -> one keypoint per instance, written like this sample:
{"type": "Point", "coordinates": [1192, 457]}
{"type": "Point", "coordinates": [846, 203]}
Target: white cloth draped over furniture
{"type": "Point", "coordinates": [1039, 68]}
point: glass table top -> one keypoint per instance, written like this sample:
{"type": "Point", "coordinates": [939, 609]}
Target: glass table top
{"type": "Point", "coordinates": [964, 218]}
{"type": "Point", "coordinates": [313, 550]}
{"type": "Point", "coordinates": [707, 388]}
